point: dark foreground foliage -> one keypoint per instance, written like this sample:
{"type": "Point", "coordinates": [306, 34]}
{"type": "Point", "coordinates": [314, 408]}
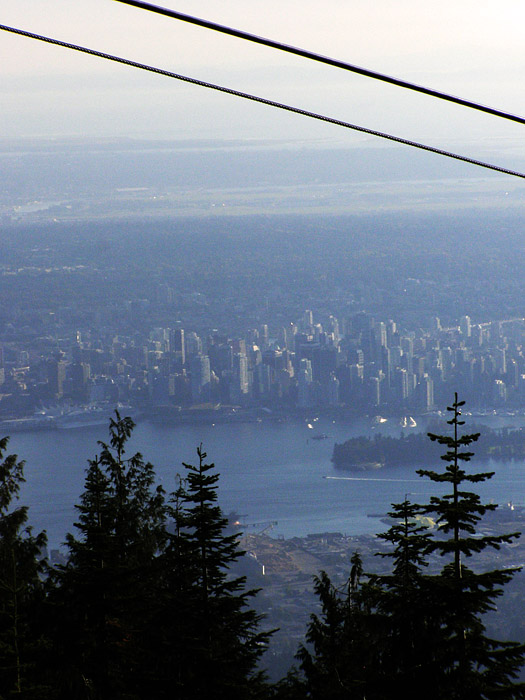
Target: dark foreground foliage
{"type": "Point", "coordinates": [147, 607]}
{"type": "Point", "coordinates": [410, 634]}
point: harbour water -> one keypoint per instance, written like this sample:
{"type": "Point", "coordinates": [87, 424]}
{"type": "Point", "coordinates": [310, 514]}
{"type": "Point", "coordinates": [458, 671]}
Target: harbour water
{"type": "Point", "coordinates": [269, 472]}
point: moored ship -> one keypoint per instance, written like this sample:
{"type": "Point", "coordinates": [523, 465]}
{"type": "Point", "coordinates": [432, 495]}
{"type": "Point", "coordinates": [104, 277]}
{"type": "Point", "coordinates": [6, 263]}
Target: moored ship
{"type": "Point", "coordinates": [92, 415]}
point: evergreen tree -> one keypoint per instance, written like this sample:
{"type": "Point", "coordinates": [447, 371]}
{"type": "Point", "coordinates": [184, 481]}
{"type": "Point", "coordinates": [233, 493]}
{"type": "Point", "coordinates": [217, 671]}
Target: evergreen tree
{"type": "Point", "coordinates": [341, 661]}
{"type": "Point", "coordinates": [105, 592]}
{"type": "Point", "coordinates": [405, 600]}
{"type": "Point", "coordinates": [21, 568]}
{"type": "Point", "coordinates": [212, 642]}
{"type": "Point", "coordinates": [409, 633]}
{"type": "Point", "coordinates": [472, 664]}
{"type": "Point", "coordinates": [168, 634]}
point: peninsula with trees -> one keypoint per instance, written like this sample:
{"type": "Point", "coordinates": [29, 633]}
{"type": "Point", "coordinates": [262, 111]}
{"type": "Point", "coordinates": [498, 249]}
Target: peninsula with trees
{"type": "Point", "coordinates": [364, 453]}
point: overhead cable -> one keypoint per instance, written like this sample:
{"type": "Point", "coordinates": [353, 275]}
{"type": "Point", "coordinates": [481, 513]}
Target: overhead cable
{"type": "Point", "coordinates": [322, 59]}
{"type": "Point", "coordinates": [262, 100]}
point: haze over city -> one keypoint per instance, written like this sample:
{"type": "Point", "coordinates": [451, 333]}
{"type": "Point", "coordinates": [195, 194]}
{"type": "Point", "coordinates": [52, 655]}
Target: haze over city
{"type": "Point", "coordinates": [463, 48]}
{"type": "Point", "coordinates": [301, 301]}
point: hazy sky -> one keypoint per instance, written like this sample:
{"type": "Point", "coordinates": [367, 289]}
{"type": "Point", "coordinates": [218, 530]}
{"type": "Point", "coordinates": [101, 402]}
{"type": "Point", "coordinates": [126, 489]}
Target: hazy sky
{"type": "Point", "coordinates": [472, 48]}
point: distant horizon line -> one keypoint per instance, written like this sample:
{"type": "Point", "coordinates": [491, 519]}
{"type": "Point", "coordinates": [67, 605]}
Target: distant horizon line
{"type": "Point", "coordinates": [364, 143]}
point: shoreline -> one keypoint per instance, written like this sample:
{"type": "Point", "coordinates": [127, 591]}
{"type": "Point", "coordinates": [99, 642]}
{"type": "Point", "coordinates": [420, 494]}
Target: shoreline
{"type": "Point", "coordinates": [209, 414]}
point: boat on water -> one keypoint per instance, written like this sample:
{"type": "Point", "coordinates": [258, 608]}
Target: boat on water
{"type": "Point", "coordinates": [92, 415]}
{"type": "Point", "coordinates": [43, 418]}
{"type": "Point", "coordinates": [19, 425]}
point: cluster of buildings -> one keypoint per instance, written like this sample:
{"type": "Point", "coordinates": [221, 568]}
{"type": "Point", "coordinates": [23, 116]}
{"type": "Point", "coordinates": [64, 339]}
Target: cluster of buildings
{"type": "Point", "coordinates": [361, 363]}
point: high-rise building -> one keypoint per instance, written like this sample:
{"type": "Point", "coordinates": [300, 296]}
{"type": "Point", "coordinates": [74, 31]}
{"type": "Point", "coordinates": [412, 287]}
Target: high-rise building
{"type": "Point", "coordinates": [56, 375]}
{"type": "Point", "coordinates": [333, 327]}
{"type": "Point", "coordinates": [428, 393]}
{"type": "Point", "coordinates": [304, 384]}
{"type": "Point", "coordinates": [407, 345]}
{"type": "Point", "coordinates": [221, 358]}
{"type": "Point", "coordinates": [263, 336]}
{"type": "Point", "coordinates": [200, 379]}
{"type": "Point", "coordinates": [261, 380]}
{"type": "Point", "coordinates": [361, 322]}
{"type": "Point", "coordinates": [80, 373]}
{"type": "Point", "coordinates": [193, 344]}
{"type": "Point", "coordinates": [513, 373]}
{"type": "Point", "coordinates": [496, 331]}
{"type": "Point", "coordinates": [333, 390]}
{"type": "Point", "coordinates": [499, 392]}
{"type": "Point", "coordinates": [500, 357]}
{"type": "Point", "coordinates": [239, 387]}
{"type": "Point", "coordinates": [476, 334]}
{"type": "Point", "coordinates": [286, 336]}
{"type": "Point", "coordinates": [324, 362]}
{"type": "Point", "coordinates": [177, 345]}
{"type": "Point", "coordinates": [380, 335]}
{"type": "Point", "coordinates": [239, 346]}
{"type": "Point", "coordinates": [308, 320]}
{"type": "Point", "coordinates": [356, 375]}
{"type": "Point", "coordinates": [374, 391]}
{"type": "Point", "coordinates": [254, 355]}
{"type": "Point", "coordinates": [401, 384]}
{"type": "Point", "coordinates": [305, 366]}
{"type": "Point", "coordinates": [465, 326]}
{"type": "Point", "coordinates": [355, 356]}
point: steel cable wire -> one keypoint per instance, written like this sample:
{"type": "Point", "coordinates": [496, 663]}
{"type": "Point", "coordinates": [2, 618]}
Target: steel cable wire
{"type": "Point", "coordinates": [262, 100]}
{"type": "Point", "coordinates": [334, 62]}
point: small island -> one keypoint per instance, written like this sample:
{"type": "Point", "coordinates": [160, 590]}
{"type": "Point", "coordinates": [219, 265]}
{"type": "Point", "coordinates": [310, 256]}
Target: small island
{"type": "Point", "coordinates": [366, 453]}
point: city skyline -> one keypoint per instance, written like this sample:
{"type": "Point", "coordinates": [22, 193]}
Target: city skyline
{"type": "Point", "coordinates": [359, 363]}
